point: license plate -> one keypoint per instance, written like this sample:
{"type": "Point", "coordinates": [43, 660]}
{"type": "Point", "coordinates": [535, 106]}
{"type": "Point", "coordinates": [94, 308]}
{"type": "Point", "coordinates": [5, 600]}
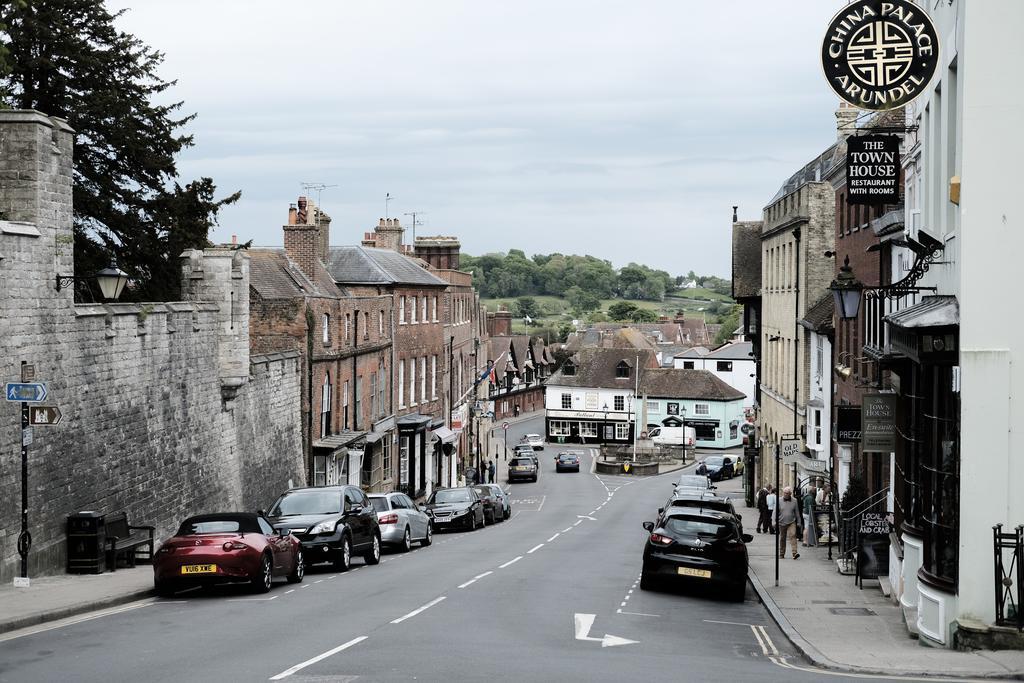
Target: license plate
{"type": "Point", "coordinates": [700, 573]}
{"type": "Point", "coordinates": [199, 569]}
{"type": "Point", "coordinates": [442, 520]}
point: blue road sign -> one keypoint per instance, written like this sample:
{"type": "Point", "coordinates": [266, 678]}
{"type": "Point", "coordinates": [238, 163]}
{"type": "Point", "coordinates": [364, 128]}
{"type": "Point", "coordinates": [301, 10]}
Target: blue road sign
{"type": "Point", "coordinates": [28, 392]}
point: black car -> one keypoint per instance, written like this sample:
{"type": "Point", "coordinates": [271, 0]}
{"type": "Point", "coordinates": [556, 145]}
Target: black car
{"type": "Point", "coordinates": [523, 468]}
{"type": "Point", "coordinates": [696, 547]}
{"type": "Point", "coordinates": [567, 462]}
{"type": "Point", "coordinates": [703, 500]}
{"type": "Point", "coordinates": [333, 523]}
{"type": "Point", "coordinates": [718, 467]}
{"type": "Point", "coordinates": [494, 507]}
{"type": "Point", "coordinates": [456, 507]}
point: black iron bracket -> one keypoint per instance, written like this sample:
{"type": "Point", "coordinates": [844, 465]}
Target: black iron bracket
{"type": "Point", "coordinates": [927, 251]}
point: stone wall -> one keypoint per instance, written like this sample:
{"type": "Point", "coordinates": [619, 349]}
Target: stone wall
{"type": "Point", "coordinates": [164, 412]}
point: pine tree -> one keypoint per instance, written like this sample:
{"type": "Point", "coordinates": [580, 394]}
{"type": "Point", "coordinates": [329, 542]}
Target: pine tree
{"type": "Point", "coordinates": [66, 58]}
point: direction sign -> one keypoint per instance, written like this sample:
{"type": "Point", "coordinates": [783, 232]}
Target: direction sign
{"type": "Point", "coordinates": [44, 416]}
{"type": "Point", "coordinates": [28, 392]}
{"type": "Point", "coordinates": [747, 428]}
{"type": "Point", "coordinates": [504, 425]}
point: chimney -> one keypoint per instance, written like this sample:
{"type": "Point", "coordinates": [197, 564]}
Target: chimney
{"type": "Point", "coordinates": [846, 120]}
{"type": "Point", "coordinates": [499, 323]}
{"type": "Point", "coordinates": [388, 234]}
{"type": "Point", "coordinates": [302, 217]}
{"type": "Point", "coordinates": [734, 217]}
{"type": "Point", "coordinates": [293, 214]}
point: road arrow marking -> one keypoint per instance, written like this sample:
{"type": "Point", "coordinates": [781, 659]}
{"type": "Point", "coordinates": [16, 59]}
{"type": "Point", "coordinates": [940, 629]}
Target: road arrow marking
{"type": "Point", "coordinates": [592, 519]}
{"type": "Point", "coordinates": [583, 623]}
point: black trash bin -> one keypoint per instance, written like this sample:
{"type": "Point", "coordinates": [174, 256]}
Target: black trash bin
{"type": "Point", "coordinates": [87, 540]}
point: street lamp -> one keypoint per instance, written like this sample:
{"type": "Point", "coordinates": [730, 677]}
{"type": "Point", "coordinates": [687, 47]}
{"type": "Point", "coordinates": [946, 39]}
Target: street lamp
{"type": "Point", "coordinates": [846, 289]}
{"type": "Point", "coordinates": [111, 280]}
{"type": "Point", "coordinates": [604, 424]}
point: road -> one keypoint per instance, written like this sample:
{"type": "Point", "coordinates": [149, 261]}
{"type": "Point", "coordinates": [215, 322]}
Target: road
{"type": "Point", "coordinates": [551, 594]}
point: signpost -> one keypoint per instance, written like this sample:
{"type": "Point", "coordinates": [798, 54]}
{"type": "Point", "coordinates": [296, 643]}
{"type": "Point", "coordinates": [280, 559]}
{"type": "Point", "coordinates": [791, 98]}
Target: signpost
{"type": "Point", "coordinates": [26, 392]}
{"type": "Point", "coordinates": [789, 450]}
{"type": "Point", "coordinates": [44, 416]}
{"type": "Point", "coordinates": [504, 436]}
{"type": "Point", "coordinates": [878, 420]}
{"type": "Point", "coordinates": [873, 169]}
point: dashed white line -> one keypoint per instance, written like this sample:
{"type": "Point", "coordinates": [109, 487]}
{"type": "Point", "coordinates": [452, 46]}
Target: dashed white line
{"type": "Point", "coordinates": [467, 583]}
{"type": "Point", "coordinates": [534, 548]}
{"type": "Point", "coordinates": [578, 522]}
{"type": "Point", "coordinates": [416, 611]}
{"type": "Point", "coordinates": [314, 660]}
{"type": "Point", "coordinates": [553, 537]}
{"type": "Point", "coordinates": [305, 585]}
{"type": "Point", "coordinates": [474, 579]}
{"type": "Point", "coordinates": [510, 562]}
{"type": "Point", "coordinates": [319, 581]}
{"type": "Point", "coordinates": [567, 529]}
{"type": "Point", "coordinates": [291, 591]}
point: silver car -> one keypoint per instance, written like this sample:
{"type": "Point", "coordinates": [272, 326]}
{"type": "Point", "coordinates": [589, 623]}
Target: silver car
{"type": "Point", "coordinates": [401, 521]}
{"type": "Point", "coordinates": [504, 497]}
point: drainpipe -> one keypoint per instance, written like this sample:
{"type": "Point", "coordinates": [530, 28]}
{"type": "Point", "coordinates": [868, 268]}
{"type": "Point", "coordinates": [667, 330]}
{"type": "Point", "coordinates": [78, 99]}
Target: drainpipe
{"type": "Point", "coordinates": [796, 347]}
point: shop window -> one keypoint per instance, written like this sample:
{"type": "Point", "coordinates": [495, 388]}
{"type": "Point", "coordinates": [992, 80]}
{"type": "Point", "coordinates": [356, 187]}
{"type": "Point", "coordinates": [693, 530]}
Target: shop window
{"type": "Point", "coordinates": [559, 428]}
{"type": "Point", "coordinates": [588, 429]}
{"type": "Point", "coordinates": [622, 431]}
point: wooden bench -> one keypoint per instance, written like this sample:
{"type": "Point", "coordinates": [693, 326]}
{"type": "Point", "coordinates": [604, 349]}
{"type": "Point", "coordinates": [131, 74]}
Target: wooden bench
{"type": "Point", "coordinates": [127, 540]}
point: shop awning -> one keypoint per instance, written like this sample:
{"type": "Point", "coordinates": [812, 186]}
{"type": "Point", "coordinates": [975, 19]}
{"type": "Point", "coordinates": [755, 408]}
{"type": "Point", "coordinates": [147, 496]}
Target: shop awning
{"type": "Point", "coordinates": [445, 435]}
{"type": "Point", "coordinates": [335, 441]}
{"type": "Point", "coordinates": [374, 437]}
{"type": "Point", "coordinates": [931, 311]}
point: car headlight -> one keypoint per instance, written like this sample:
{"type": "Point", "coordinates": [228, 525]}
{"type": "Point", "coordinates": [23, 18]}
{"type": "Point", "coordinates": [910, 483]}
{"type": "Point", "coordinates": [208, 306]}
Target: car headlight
{"type": "Point", "coordinates": [459, 512]}
{"type": "Point", "coordinates": [323, 528]}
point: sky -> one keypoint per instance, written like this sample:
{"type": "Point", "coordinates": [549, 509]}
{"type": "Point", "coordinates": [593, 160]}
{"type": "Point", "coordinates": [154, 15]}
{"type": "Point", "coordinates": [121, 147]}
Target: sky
{"type": "Point", "coordinates": [623, 130]}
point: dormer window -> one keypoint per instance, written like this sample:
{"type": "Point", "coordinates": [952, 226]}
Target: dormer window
{"type": "Point", "coordinates": [568, 368]}
{"type": "Point", "coordinates": [622, 369]}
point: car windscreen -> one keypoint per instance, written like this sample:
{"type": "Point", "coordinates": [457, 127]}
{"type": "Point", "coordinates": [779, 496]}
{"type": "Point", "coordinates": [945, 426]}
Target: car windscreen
{"type": "Point", "coordinates": [483, 490]}
{"type": "Point", "coordinates": [451, 496]}
{"type": "Point", "coordinates": [210, 526]}
{"type": "Point", "coordinates": [714, 461]}
{"type": "Point", "coordinates": [521, 462]}
{"type": "Point", "coordinates": [379, 504]}
{"type": "Point", "coordinates": [693, 481]}
{"type": "Point", "coordinates": [309, 502]}
{"type": "Point", "coordinates": [686, 526]}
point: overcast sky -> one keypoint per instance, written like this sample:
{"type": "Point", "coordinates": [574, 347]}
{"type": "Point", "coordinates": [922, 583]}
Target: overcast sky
{"type": "Point", "coordinates": [624, 130]}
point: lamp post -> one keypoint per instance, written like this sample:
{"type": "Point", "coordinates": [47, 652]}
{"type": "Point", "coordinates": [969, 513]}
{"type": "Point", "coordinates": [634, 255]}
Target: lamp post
{"type": "Point", "coordinates": [604, 425]}
{"type": "Point", "coordinates": [111, 281]}
{"type": "Point", "coordinates": [846, 290]}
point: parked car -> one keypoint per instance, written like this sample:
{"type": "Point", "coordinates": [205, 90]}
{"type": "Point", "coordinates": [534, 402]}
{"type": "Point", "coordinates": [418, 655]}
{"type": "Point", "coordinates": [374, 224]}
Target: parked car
{"type": "Point", "coordinates": [333, 522]}
{"type": "Point", "coordinates": [703, 500]}
{"type": "Point", "coordinates": [718, 467]}
{"type": "Point", "coordinates": [673, 436]}
{"type": "Point", "coordinates": [454, 507]}
{"type": "Point", "coordinates": [693, 481]}
{"type": "Point", "coordinates": [700, 547]}
{"type": "Point", "coordinates": [503, 497]}
{"type": "Point", "coordinates": [567, 462]}
{"type": "Point", "coordinates": [523, 468]}
{"type": "Point", "coordinates": [402, 522]}
{"type": "Point", "coordinates": [493, 511]}
{"type": "Point", "coordinates": [536, 441]}
{"type": "Point", "coordinates": [227, 547]}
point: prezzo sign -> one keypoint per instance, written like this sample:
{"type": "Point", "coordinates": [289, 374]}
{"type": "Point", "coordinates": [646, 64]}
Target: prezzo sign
{"type": "Point", "coordinates": [872, 169]}
{"type": "Point", "coordinates": [848, 427]}
{"type": "Point", "coordinates": [879, 55]}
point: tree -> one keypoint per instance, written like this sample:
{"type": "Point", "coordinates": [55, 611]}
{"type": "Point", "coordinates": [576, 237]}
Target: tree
{"type": "Point", "coordinates": [526, 306]}
{"type": "Point", "coordinates": [729, 325]}
{"type": "Point", "coordinates": [582, 301]}
{"type": "Point", "coordinates": [622, 310]}
{"type": "Point", "coordinates": [67, 59]}
{"type": "Point", "coordinates": [644, 315]}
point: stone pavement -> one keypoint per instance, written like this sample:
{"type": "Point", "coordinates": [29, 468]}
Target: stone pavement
{"type": "Point", "coordinates": [809, 605]}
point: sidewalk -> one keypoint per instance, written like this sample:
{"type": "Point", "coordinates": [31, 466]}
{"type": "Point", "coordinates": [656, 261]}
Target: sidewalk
{"type": "Point", "coordinates": [56, 597]}
{"type": "Point", "coordinates": [812, 605]}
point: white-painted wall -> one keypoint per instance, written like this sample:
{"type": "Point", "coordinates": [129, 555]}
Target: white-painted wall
{"type": "Point", "coordinates": [742, 378]}
{"type": "Point", "coordinates": [819, 411]}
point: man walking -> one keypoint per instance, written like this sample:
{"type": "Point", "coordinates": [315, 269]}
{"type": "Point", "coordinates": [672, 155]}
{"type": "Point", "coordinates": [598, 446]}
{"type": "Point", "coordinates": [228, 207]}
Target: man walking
{"type": "Point", "coordinates": [490, 471]}
{"type": "Point", "coordinates": [789, 521]}
{"type": "Point", "coordinates": [763, 523]}
{"type": "Point", "coordinates": [770, 501]}
{"type": "Point", "coordinates": [810, 532]}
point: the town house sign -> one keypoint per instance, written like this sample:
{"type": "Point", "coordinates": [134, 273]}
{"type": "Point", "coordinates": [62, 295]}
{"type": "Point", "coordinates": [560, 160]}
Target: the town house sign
{"type": "Point", "coordinates": [879, 55]}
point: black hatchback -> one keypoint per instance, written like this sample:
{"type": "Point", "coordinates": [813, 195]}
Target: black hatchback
{"type": "Point", "coordinates": [696, 547]}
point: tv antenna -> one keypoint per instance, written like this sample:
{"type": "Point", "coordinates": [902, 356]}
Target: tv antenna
{"type": "Point", "coordinates": [387, 204]}
{"type": "Point", "coordinates": [319, 187]}
{"type": "Point", "coordinates": [415, 223]}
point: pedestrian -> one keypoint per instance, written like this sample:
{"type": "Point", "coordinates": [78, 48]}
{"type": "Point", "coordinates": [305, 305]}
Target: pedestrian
{"type": "Point", "coordinates": [789, 522]}
{"type": "Point", "coordinates": [810, 528]}
{"type": "Point", "coordinates": [770, 501]}
{"type": "Point", "coordinates": [763, 525]}
{"type": "Point", "coordinates": [516, 413]}
{"type": "Point", "coordinates": [491, 469]}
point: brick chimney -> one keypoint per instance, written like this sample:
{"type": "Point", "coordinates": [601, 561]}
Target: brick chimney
{"type": "Point", "coordinates": [846, 120]}
{"type": "Point", "coordinates": [499, 323]}
{"type": "Point", "coordinates": [388, 235]}
{"type": "Point", "coordinates": [440, 252]}
{"type": "Point", "coordinates": [302, 239]}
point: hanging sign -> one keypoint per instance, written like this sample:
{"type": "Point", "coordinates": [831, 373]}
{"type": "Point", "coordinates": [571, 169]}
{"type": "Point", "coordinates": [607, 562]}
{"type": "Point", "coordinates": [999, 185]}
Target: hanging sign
{"type": "Point", "coordinates": [848, 427]}
{"type": "Point", "coordinates": [878, 420]}
{"type": "Point", "coordinates": [879, 55]}
{"type": "Point", "coordinates": [872, 169]}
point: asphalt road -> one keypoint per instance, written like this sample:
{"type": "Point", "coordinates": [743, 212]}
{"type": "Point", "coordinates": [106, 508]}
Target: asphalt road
{"type": "Point", "coordinates": [551, 594]}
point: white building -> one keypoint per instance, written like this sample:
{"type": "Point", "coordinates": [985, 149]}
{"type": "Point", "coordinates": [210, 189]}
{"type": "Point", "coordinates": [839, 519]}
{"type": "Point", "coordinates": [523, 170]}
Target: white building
{"type": "Point", "coordinates": [818, 439]}
{"type": "Point", "coordinates": [733, 363]}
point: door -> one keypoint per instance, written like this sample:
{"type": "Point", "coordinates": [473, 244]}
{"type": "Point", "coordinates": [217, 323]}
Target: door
{"type": "Point", "coordinates": [417, 519]}
{"type": "Point", "coordinates": [356, 518]}
{"type": "Point", "coordinates": [277, 550]}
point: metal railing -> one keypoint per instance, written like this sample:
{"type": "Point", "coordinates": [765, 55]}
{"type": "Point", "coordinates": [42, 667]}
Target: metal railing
{"type": "Point", "coordinates": [849, 520]}
{"type": "Point", "coordinates": [1009, 578]}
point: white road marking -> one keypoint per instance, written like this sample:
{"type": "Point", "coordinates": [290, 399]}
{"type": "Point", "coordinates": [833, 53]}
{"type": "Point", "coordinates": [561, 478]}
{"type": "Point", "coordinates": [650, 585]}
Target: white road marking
{"type": "Point", "coordinates": [480, 576]}
{"type": "Point", "coordinates": [510, 562]}
{"type": "Point", "coordinates": [314, 660]}
{"type": "Point", "coordinates": [291, 591]}
{"type": "Point", "coordinates": [586, 517]}
{"type": "Point", "coordinates": [578, 522]}
{"type": "Point", "coordinates": [763, 637]}
{"type": "Point", "coordinates": [77, 620]}
{"type": "Point", "coordinates": [468, 583]}
{"type": "Point", "coordinates": [623, 604]}
{"type": "Point", "coordinates": [554, 537]}
{"type": "Point", "coordinates": [416, 611]}
{"type": "Point", "coordinates": [305, 585]}
{"type": "Point", "coordinates": [255, 599]}
{"type": "Point", "coordinates": [638, 614]}
{"type": "Point", "coordinates": [582, 624]}
{"type": "Point", "coordinates": [534, 548]}
{"type": "Point", "coordinates": [731, 623]}
{"type": "Point", "coordinates": [566, 530]}
{"type": "Point", "coordinates": [319, 581]}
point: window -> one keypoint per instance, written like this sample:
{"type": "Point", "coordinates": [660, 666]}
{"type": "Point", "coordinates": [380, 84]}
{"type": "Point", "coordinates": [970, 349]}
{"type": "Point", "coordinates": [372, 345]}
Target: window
{"type": "Point", "coordinates": [385, 456]}
{"type": "Point", "coordinates": [733, 431]}
{"type": "Point", "coordinates": [344, 406]}
{"type": "Point", "coordinates": [373, 395]}
{"type": "Point", "coordinates": [724, 366]}
{"type": "Point", "coordinates": [588, 429]}
{"type": "Point", "coordinates": [358, 401]}
{"type": "Point", "coordinates": [433, 377]}
{"type": "Point", "coordinates": [412, 311]}
{"type": "Point", "coordinates": [620, 403]}
{"type": "Point", "coordinates": [319, 470]}
{"type": "Point", "coordinates": [348, 325]}
{"type": "Point", "coordinates": [817, 427]}
{"type": "Point", "coordinates": [702, 409]}
{"type": "Point", "coordinates": [401, 384]}
{"type": "Point", "coordinates": [687, 365]}
{"type": "Point", "coordinates": [592, 399]}
{"type": "Point", "coordinates": [559, 428]}
{"type": "Point", "coordinates": [380, 393]}
{"type": "Point", "coordinates": [423, 378]}
{"type": "Point", "coordinates": [566, 401]}
{"type": "Point", "coordinates": [424, 316]}
{"type": "Point", "coordinates": [819, 363]}
{"type": "Point", "coordinates": [412, 382]}
{"type": "Point", "coordinates": [433, 306]}
{"type": "Point", "coordinates": [621, 431]}
{"type": "Point", "coordinates": [325, 406]}
{"type": "Point", "coordinates": [568, 368]}
{"type": "Point", "coordinates": [622, 369]}
{"type": "Point", "coordinates": [401, 310]}
{"type": "Point", "coordinates": [653, 407]}
{"type": "Point", "coordinates": [366, 325]}
{"type": "Point", "coordinates": [326, 322]}
{"type": "Point", "coordinates": [704, 432]}
{"type": "Point", "coordinates": [380, 323]}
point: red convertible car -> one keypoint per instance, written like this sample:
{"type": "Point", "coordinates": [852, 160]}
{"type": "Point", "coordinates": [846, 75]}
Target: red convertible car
{"type": "Point", "coordinates": [227, 547]}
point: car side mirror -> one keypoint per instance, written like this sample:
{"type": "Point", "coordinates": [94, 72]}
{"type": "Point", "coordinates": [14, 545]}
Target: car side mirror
{"type": "Point", "coordinates": [747, 538]}
{"type": "Point", "coordinates": [712, 487]}
{"type": "Point", "coordinates": [261, 512]}
{"type": "Point", "coordinates": [739, 516]}
{"type": "Point", "coordinates": [661, 510]}
{"type": "Point", "coordinates": [283, 532]}
{"type": "Point", "coordinates": [649, 526]}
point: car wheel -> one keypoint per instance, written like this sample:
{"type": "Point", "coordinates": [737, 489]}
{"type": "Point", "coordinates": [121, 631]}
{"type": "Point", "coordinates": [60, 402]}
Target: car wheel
{"type": "Point", "coordinates": [262, 582]}
{"type": "Point", "coordinates": [373, 557]}
{"type": "Point", "coordinates": [343, 560]}
{"type": "Point", "coordinates": [646, 581]}
{"type": "Point", "coordinates": [164, 589]}
{"type": "Point", "coordinates": [406, 541]}
{"type": "Point", "coordinates": [300, 568]}
{"type": "Point", "coordinates": [429, 538]}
